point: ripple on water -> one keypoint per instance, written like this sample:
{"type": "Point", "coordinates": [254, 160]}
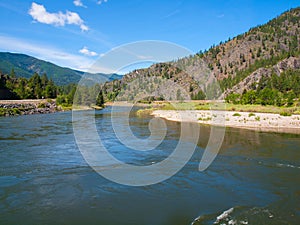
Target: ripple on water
{"type": "Point", "coordinates": [7, 181]}
{"type": "Point", "coordinates": [44, 175]}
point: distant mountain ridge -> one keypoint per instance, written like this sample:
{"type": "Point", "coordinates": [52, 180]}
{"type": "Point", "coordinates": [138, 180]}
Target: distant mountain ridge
{"type": "Point", "coordinates": [25, 66]}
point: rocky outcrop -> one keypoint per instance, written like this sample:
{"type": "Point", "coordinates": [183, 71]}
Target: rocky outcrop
{"type": "Point", "coordinates": [250, 82]}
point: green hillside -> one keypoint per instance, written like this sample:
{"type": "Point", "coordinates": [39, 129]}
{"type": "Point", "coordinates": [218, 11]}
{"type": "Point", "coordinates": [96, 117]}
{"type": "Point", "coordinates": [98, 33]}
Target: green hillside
{"type": "Point", "coordinates": [25, 66]}
{"type": "Point", "coordinates": [250, 61]}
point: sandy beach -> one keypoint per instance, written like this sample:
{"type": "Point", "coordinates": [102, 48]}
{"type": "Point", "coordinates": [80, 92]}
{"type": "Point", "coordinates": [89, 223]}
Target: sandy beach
{"type": "Point", "coordinates": [258, 121]}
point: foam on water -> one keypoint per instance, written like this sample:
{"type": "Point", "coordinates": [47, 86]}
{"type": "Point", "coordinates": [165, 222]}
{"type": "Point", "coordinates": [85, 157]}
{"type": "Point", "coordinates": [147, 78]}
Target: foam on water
{"type": "Point", "coordinates": [288, 165]}
{"type": "Point", "coordinates": [238, 216]}
{"type": "Point", "coordinates": [224, 215]}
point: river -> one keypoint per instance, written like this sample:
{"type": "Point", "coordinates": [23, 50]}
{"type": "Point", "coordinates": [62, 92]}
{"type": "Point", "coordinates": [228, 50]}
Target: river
{"type": "Point", "coordinates": [44, 179]}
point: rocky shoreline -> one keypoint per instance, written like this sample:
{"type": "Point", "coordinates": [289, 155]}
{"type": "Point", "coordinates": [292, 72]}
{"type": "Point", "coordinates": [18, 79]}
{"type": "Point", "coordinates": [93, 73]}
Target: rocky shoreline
{"type": "Point", "coordinates": [27, 107]}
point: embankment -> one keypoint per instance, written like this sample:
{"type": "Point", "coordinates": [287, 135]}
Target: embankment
{"type": "Point", "coordinates": [27, 107]}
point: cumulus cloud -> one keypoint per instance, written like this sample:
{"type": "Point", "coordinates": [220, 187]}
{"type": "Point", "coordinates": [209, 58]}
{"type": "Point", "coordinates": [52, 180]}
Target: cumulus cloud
{"type": "Point", "coordinates": [84, 27]}
{"type": "Point", "coordinates": [87, 52]}
{"type": "Point", "coordinates": [99, 2]}
{"type": "Point", "coordinates": [78, 3]}
{"type": "Point", "coordinates": [40, 14]}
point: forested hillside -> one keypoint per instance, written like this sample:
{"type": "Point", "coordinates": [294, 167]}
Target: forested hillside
{"type": "Point", "coordinates": [265, 59]}
{"type": "Point", "coordinates": [25, 66]}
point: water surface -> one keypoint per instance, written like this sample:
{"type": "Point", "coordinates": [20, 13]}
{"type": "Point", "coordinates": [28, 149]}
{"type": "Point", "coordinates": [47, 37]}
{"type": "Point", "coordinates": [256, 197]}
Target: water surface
{"type": "Point", "coordinates": [45, 180]}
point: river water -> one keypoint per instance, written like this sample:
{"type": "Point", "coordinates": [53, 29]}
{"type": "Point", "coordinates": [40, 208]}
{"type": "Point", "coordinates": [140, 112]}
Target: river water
{"type": "Point", "coordinates": [44, 179]}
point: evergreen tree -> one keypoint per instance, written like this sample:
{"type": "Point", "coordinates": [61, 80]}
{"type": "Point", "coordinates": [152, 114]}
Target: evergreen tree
{"type": "Point", "coordinates": [100, 99]}
{"type": "Point", "coordinates": [12, 73]}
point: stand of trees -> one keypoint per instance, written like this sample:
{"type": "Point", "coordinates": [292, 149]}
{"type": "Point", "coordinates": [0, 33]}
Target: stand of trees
{"type": "Point", "coordinates": [36, 87]}
{"type": "Point", "coordinates": [80, 95]}
{"type": "Point", "coordinates": [275, 90]}
{"type": "Point", "coordinates": [39, 87]}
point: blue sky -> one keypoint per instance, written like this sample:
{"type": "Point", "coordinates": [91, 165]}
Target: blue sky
{"type": "Point", "coordinates": [74, 33]}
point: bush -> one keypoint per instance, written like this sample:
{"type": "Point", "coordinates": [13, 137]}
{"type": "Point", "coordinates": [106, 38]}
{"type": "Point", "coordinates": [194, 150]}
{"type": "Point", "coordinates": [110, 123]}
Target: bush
{"type": "Point", "coordinates": [41, 105]}
{"type": "Point", "coordinates": [284, 113]}
{"type": "Point", "coordinates": [2, 112]}
{"type": "Point", "coordinates": [251, 114]}
{"type": "Point", "coordinates": [60, 100]}
{"type": "Point", "coordinates": [236, 114]}
{"type": "Point", "coordinates": [205, 119]}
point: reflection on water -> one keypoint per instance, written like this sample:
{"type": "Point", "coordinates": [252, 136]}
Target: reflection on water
{"type": "Point", "coordinates": [45, 180]}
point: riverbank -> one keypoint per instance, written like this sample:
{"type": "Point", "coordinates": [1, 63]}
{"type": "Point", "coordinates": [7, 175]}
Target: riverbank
{"type": "Point", "coordinates": [28, 107]}
{"type": "Point", "coordinates": [37, 106]}
{"type": "Point", "coordinates": [249, 120]}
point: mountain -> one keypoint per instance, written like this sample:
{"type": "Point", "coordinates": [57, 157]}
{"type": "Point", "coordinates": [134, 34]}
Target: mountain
{"type": "Point", "coordinates": [261, 47]}
{"type": "Point", "coordinates": [238, 64]}
{"type": "Point", "coordinates": [25, 66]}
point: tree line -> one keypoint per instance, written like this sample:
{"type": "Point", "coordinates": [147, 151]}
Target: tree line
{"type": "Point", "coordinates": [276, 90]}
{"type": "Point", "coordinates": [41, 87]}
{"type": "Point", "coordinates": [36, 87]}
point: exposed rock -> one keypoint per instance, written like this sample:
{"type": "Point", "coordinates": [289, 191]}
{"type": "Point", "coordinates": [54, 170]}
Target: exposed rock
{"type": "Point", "coordinates": [292, 63]}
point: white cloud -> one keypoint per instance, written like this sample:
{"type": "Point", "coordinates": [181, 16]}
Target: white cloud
{"type": "Point", "coordinates": [87, 52]}
{"type": "Point", "coordinates": [40, 14]}
{"type": "Point", "coordinates": [78, 3]}
{"type": "Point", "coordinates": [99, 2]}
{"type": "Point", "coordinates": [84, 27]}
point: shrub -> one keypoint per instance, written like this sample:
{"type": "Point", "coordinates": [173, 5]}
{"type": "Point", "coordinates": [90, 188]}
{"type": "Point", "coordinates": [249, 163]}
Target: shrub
{"type": "Point", "coordinates": [60, 99]}
{"type": "Point", "coordinates": [2, 112]}
{"type": "Point", "coordinates": [284, 113]}
{"type": "Point", "coordinates": [251, 114]}
{"type": "Point", "coordinates": [236, 114]}
{"type": "Point", "coordinates": [257, 118]}
{"type": "Point", "coordinates": [205, 119]}
{"type": "Point", "coordinates": [41, 105]}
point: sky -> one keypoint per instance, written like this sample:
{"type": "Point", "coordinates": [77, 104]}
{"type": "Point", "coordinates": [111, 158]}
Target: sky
{"type": "Point", "coordinates": [75, 33]}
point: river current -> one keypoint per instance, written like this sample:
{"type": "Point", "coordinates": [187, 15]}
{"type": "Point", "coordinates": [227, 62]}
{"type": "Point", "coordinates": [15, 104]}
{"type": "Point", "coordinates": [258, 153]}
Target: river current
{"type": "Point", "coordinates": [44, 179]}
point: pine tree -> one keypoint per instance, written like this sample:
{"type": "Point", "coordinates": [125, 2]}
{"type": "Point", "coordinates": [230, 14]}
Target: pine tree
{"type": "Point", "coordinates": [100, 99]}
